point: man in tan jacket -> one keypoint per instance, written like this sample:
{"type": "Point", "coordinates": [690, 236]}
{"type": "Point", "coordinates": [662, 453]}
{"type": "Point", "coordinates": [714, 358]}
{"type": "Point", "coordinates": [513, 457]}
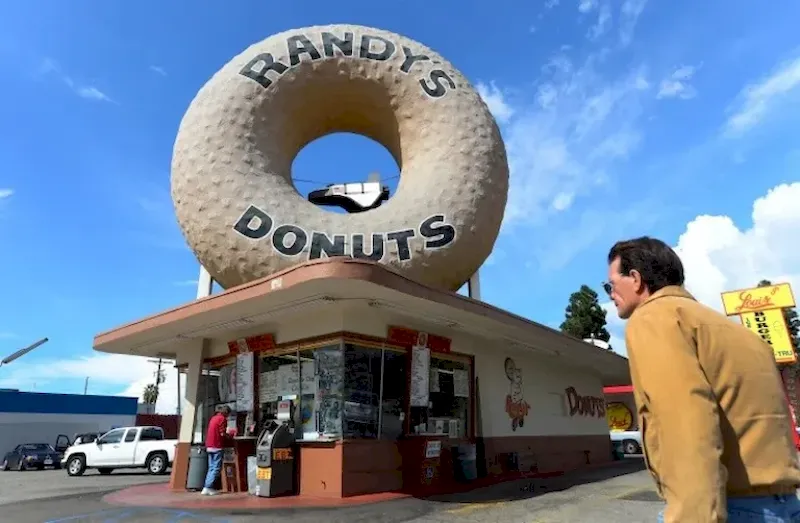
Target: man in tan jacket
{"type": "Point", "coordinates": [714, 419]}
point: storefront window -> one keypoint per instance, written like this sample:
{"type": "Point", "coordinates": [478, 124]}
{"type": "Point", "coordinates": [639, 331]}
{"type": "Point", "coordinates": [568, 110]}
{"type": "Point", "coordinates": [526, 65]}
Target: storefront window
{"type": "Point", "coordinates": [395, 383]}
{"type": "Point", "coordinates": [447, 412]}
{"type": "Point", "coordinates": [362, 388]}
{"type": "Point", "coordinates": [312, 381]}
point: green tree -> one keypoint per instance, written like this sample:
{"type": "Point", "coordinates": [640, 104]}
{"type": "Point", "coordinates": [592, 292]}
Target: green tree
{"type": "Point", "coordinates": [585, 318]}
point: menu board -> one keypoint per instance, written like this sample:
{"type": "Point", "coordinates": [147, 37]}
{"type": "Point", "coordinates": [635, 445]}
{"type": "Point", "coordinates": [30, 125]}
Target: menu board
{"type": "Point", "coordinates": [460, 383]}
{"type": "Point", "coordinates": [420, 376]}
{"type": "Point", "coordinates": [244, 382]}
{"type": "Point", "coordinates": [330, 363]}
{"type": "Point", "coordinates": [227, 384]}
{"type": "Point", "coordinates": [288, 380]}
{"type": "Point", "coordinates": [268, 386]}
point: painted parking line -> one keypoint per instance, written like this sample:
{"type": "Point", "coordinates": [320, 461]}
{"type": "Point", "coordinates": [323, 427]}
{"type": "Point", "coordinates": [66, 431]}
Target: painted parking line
{"type": "Point", "coordinates": [472, 507]}
{"type": "Point", "coordinates": [120, 515]}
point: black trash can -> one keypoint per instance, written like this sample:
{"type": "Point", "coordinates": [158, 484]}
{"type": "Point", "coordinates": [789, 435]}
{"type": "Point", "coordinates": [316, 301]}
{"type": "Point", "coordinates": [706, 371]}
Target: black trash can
{"type": "Point", "coordinates": [198, 467]}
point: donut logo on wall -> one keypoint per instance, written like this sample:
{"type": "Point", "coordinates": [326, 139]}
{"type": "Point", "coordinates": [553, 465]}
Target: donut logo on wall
{"type": "Point", "coordinates": [231, 167]}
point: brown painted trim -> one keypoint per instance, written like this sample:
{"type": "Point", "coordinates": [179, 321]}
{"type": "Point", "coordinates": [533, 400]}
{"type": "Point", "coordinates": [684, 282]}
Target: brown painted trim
{"type": "Point", "coordinates": [338, 268]}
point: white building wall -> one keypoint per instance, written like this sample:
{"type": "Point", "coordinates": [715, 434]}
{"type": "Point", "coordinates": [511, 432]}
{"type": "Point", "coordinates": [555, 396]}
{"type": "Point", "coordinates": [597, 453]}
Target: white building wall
{"type": "Point", "coordinates": [17, 428]}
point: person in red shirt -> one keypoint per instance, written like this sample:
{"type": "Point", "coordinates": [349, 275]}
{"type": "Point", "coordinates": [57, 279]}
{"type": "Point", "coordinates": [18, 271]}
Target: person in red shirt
{"type": "Point", "coordinates": [215, 442]}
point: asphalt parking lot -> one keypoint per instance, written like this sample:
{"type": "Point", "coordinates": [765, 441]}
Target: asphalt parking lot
{"type": "Point", "coordinates": [33, 485]}
{"type": "Point", "coordinates": [622, 492]}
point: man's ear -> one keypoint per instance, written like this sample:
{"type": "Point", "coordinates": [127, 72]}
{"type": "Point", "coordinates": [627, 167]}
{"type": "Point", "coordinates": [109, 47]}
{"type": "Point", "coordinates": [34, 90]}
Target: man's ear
{"type": "Point", "coordinates": [638, 283]}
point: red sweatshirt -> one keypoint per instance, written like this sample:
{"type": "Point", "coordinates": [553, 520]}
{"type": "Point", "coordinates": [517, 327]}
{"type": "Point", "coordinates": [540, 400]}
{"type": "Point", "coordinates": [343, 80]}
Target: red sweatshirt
{"type": "Point", "coordinates": [217, 427]}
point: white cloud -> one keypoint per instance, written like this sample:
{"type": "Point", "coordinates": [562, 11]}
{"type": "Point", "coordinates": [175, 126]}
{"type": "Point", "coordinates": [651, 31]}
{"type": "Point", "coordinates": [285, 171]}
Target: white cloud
{"type": "Point", "coordinates": [128, 375]}
{"type": "Point", "coordinates": [158, 70]}
{"type": "Point", "coordinates": [6, 193]}
{"type": "Point", "coordinates": [756, 100]}
{"type": "Point", "coordinates": [495, 99]}
{"type": "Point", "coordinates": [584, 6]}
{"type": "Point", "coordinates": [719, 255]}
{"type": "Point", "coordinates": [549, 4]}
{"type": "Point", "coordinates": [602, 25]}
{"type": "Point", "coordinates": [88, 92]}
{"type": "Point", "coordinates": [629, 16]}
{"type": "Point", "coordinates": [575, 127]}
{"type": "Point", "coordinates": [185, 283]}
{"type": "Point", "coordinates": [677, 84]}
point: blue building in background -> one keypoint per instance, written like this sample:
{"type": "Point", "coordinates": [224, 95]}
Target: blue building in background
{"type": "Point", "coordinates": [36, 417]}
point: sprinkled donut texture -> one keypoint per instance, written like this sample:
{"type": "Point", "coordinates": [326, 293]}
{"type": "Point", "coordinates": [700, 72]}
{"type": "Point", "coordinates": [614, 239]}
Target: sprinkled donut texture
{"type": "Point", "coordinates": [237, 141]}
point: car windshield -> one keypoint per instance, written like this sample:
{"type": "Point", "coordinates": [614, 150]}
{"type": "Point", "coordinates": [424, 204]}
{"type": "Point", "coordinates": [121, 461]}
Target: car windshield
{"type": "Point", "coordinates": [40, 447]}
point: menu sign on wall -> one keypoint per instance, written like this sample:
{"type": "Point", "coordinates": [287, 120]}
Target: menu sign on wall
{"type": "Point", "coordinates": [244, 382]}
{"type": "Point", "coordinates": [460, 383]}
{"type": "Point", "coordinates": [420, 376]}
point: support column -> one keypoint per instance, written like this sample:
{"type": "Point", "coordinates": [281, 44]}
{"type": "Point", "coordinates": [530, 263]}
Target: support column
{"type": "Point", "coordinates": [193, 358]}
{"type": "Point", "coordinates": [474, 286]}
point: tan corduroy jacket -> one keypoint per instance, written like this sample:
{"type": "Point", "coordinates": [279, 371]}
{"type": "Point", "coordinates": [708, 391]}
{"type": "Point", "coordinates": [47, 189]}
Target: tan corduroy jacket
{"type": "Point", "coordinates": [712, 409]}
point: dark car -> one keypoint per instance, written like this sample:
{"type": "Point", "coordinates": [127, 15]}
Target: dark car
{"type": "Point", "coordinates": [32, 456]}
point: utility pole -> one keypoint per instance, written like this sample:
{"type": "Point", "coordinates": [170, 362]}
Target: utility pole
{"type": "Point", "coordinates": [86, 385]}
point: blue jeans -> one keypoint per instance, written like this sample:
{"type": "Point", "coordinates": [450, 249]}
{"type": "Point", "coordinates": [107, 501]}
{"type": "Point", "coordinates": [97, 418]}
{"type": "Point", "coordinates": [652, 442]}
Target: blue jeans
{"type": "Point", "coordinates": [761, 509]}
{"type": "Point", "coordinates": [214, 467]}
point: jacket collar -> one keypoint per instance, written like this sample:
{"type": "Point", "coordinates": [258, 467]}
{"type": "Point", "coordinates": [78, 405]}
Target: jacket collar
{"type": "Point", "coordinates": [674, 291]}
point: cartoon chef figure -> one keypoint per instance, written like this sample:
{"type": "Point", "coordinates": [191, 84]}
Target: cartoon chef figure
{"type": "Point", "coordinates": [516, 406]}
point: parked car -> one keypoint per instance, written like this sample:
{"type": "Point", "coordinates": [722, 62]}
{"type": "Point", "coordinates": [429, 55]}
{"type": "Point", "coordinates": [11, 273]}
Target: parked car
{"type": "Point", "coordinates": [35, 455]}
{"type": "Point", "coordinates": [124, 447]}
{"type": "Point", "coordinates": [631, 440]}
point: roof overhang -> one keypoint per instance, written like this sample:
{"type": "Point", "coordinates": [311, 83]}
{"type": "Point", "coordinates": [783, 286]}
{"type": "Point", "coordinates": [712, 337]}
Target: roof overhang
{"type": "Point", "coordinates": [334, 282]}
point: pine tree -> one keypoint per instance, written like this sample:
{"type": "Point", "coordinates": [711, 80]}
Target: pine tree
{"type": "Point", "coordinates": [585, 318]}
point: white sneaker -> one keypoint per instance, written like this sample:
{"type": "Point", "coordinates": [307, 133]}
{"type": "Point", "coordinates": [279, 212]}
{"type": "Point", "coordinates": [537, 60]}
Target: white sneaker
{"type": "Point", "coordinates": [212, 492]}
{"type": "Point", "coordinates": [204, 492]}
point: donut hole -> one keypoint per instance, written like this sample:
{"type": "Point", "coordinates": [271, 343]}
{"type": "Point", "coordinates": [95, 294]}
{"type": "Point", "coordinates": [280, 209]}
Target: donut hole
{"type": "Point", "coordinates": [343, 158]}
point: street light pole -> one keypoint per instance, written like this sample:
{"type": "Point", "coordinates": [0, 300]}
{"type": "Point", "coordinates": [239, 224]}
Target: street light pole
{"type": "Point", "coordinates": [22, 352]}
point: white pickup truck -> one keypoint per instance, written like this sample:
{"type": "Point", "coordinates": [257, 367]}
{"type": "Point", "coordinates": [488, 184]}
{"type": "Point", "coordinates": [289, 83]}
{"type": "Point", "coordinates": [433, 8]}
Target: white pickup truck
{"type": "Point", "coordinates": [631, 440]}
{"type": "Point", "coordinates": [122, 448]}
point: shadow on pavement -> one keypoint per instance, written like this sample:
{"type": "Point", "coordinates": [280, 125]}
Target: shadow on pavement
{"type": "Point", "coordinates": [529, 488]}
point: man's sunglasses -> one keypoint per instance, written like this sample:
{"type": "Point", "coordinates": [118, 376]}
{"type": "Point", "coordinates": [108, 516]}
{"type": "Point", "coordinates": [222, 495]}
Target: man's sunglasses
{"type": "Point", "coordinates": [608, 287]}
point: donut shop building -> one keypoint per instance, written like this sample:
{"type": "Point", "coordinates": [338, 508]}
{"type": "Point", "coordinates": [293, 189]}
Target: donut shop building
{"type": "Point", "coordinates": [386, 378]}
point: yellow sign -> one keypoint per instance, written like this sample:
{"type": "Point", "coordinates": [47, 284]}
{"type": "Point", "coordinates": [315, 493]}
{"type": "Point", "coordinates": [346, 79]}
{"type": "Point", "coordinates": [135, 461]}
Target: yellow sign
{"type": "Point", "coordinates": [758, 298]}
{"type": "Point", "coordinates": [771, 326]}
{"type": "Point", "coordinates": [264, 473]}
{"type": "Point", "coordinates": [619, 416]}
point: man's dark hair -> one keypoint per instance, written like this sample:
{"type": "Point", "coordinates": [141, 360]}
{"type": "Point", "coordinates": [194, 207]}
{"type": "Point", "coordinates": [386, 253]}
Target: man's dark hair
{"type": "Point", "coordinates": [223, 409]}
{"type": "Point", "coordinates": [658, 264]}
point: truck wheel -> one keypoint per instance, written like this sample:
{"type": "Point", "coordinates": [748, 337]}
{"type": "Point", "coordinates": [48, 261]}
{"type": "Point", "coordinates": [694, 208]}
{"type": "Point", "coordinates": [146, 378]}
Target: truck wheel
{"type": "Point", "coordinates": [631, 447]}
{"type": "Point", "coordinates": [76, 466]}
{"type": "Point", "coordinates": [105, 471]}
{"type": "Point", "coordinates": [156, 463]}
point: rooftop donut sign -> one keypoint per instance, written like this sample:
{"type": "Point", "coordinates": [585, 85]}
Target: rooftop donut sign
{"type": "Point", "coordinates": [231, 174]}
{"type": "Point", "coordinates": [264, 68]}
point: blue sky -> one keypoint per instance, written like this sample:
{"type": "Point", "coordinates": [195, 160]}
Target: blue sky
{"type": "Point", "coordinates": [621, 117]}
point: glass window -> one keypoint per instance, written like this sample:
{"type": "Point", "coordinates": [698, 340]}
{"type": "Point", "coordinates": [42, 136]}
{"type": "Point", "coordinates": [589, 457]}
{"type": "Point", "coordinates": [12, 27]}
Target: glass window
{"type": "Point", "coordinates": [448, 408]}
{"type": "Point", "coordinates": [151, 434]}
{"type": "Point", "coordinates": [395, 384]}
{"type": "Point", "coordinates": [130, 435]}
{"type": "Point", "coordinates": [362, 388]}
{"type": "Point", "coordinates": [312, 381]}
{"type": "Point", "coordinates": [113, 436]}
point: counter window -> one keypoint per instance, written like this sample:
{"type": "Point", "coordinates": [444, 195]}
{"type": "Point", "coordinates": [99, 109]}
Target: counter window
{"type": "Point", "coordinates": [362, 389]}
{"type": "Point", "coordinates": [312, 381]}
{"type": "Point", "coordinates": [448, 409]}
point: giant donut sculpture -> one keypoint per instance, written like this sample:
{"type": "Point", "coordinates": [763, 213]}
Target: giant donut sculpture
{"type": "Point", "coordinates": [231, 169]}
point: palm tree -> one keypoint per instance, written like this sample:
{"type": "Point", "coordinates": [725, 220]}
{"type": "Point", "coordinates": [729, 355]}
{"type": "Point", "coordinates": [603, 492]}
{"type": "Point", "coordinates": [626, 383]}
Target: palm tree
{"type": "Point", "coordinates": [150, 394]}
